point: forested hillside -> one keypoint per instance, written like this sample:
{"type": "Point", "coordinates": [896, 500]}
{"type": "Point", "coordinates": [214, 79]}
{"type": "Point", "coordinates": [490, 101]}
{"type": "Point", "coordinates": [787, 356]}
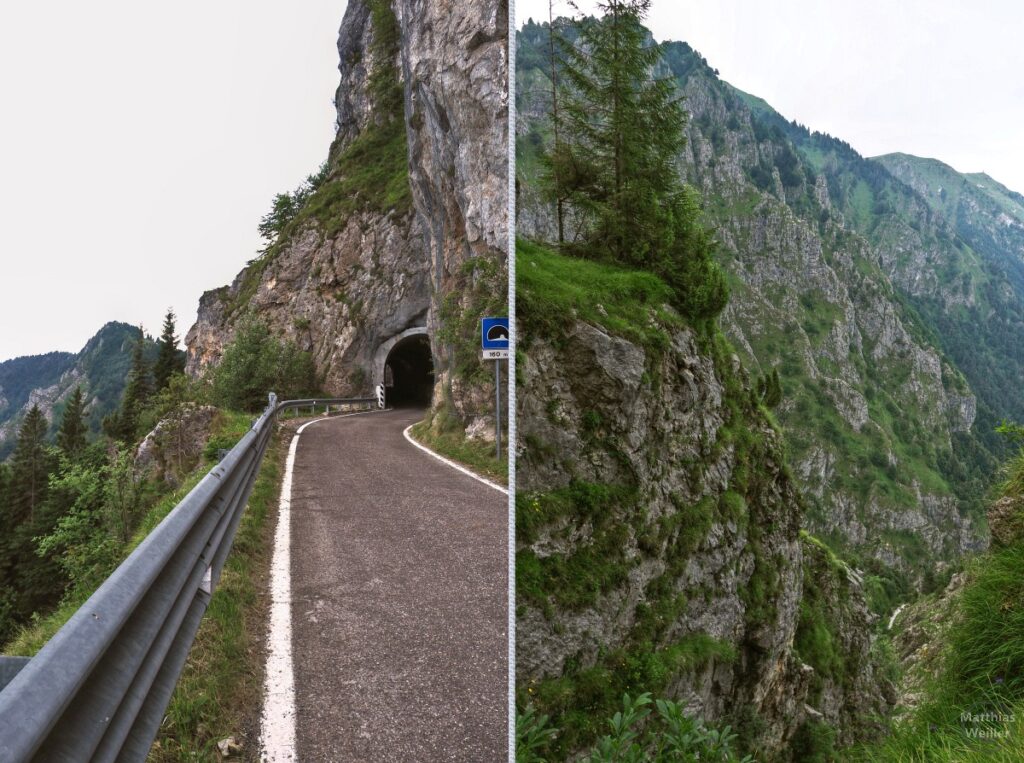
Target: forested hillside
{"type": "Point", "coordinates": [69, 494]}
{"type": "Point", "coordinates": [100, 369]}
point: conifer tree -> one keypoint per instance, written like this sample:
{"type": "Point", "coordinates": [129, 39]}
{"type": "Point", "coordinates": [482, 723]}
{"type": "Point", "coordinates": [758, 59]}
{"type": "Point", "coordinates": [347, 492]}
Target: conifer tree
{"type": "Point", "coordinates": [30, 466]}
{"type": "Point", "coordinates": [71, 437]}
{"type": "Point", "coordinates": [557, 161]}
{"type": "Point", "coordinates": [622, 132]}
{"type": "Point", "coordinates": [136, 394]}
{"type": "Point", "coordinates": [626, 130]}
{"type": "Point", "coordinates": [169, 360]}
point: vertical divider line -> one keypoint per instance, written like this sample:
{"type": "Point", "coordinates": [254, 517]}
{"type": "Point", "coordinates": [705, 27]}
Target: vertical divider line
{"type": "Point", "coordinates": [510, 397]}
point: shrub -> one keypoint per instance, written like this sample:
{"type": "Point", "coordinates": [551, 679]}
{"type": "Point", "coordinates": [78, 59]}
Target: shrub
{"type": "Point", "coordinates": [256, 363]}
{"type": "Point", "coordinates": [637, 735]}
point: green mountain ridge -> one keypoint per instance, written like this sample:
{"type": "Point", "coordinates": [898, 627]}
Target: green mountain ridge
{"type": "Point", "coordinates": [100, 367]}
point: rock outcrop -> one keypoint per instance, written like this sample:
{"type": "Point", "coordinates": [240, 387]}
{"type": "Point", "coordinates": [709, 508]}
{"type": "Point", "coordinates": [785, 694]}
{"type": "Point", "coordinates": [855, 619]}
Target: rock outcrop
{"type": "Point", "coordinates": [649, 471]}
{"type": "Point", "coordinates": [172, 449]}
{"type": "Point", "coordinates": [421, 111]}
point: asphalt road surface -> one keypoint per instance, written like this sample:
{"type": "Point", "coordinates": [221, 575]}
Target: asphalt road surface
{"type": "Point", "coordinates": [399, 600]}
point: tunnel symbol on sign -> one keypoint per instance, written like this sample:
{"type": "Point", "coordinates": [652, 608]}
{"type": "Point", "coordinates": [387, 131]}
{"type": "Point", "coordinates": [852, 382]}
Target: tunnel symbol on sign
{"type": "Point", "coordinates": [494, 333]}
{"type": "Point", "coordinates": [497, 334]}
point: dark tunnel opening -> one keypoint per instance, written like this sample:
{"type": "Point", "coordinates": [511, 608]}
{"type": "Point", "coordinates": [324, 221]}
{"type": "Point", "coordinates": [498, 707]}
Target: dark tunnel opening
{"type": "Point", "coordinates": [409, 373]}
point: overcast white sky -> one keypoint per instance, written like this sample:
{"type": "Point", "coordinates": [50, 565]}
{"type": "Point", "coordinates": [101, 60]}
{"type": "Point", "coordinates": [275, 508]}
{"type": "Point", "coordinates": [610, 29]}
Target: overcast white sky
{"type": "Point", "coordinates": [140, 143]}
{"type": "Point", "coordinates": [936, 78]}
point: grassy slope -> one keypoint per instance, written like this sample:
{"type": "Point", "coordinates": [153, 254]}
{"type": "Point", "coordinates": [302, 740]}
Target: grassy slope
{"type": "Point", "coordinates": [218, 694]}
{"type": "Point", "coordinates": [551, 287]}
{"type": "Point", "coordinates": [982, 667]}
{"type": "Point", "coordinates": [442, 433]}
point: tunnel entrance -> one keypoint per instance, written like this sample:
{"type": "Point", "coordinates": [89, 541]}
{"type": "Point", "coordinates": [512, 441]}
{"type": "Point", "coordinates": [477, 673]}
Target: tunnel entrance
{"type": "Point", "coordinates": [409, 373]}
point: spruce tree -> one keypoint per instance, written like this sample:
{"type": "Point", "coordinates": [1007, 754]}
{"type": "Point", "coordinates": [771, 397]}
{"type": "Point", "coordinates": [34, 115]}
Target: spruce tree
{"type": "Point", "coordinates": [28, 582]}
{"type": "Point", "coordinates": [30, 466]}
{"type": "Point", "coordinates": [136, 393]}
{"type": "Point", "coordinates": [625, 127]}
{"type": "Point", "coordinates": [622, 133]}
{"type": "Point", "coordinates": [557, 159]}
{"type": "Point", "coordinates": [71, 437]}
{"type": "Point", "coordinates": [169, 360]}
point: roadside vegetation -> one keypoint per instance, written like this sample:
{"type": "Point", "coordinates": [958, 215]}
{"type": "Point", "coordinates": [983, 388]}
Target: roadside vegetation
{"type": "Point", "coordinates": [73, 509]}
{"type": "Point", "coordinates": [637, 733]}
{"type": "Point", "coordinates": [443, 433]}
{"type": "Point", "coordinates": [222, 681]}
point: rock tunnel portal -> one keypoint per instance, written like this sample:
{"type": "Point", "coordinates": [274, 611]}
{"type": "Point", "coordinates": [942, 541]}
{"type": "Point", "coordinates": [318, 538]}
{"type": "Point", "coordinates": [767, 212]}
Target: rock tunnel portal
{"type": "Point", "coordinates": [409, 372]}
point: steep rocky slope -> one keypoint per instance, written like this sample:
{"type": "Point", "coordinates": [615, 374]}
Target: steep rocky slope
{"type": "Point", "coordinates": [101, 368]}
{"type": "Point", "coordinates": [407, 231]}
{"type": "Point", "coordinates": [880, 418]}
{"type": "Point", "coordinates": [659, 528]}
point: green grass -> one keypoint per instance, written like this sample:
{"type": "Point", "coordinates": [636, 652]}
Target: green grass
{"type": "Point", "coordinates": [219, 690]}
{"type": "Point", "coordinates": [816, 642]}
{"type": "Point", "coordinates": [441, 432]}
{"type": "Point", "coordinates": [553, 289]}
{"type": "Point", "coordinates": [575, 580]}
{"type": "Point", "coordinates": [981, 673]}
{"type": "Point", "coordinates": [580, 701]}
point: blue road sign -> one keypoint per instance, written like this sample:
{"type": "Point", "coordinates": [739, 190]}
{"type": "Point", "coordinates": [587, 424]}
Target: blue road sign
{"type": "Point", "coordinates": [494, 333]}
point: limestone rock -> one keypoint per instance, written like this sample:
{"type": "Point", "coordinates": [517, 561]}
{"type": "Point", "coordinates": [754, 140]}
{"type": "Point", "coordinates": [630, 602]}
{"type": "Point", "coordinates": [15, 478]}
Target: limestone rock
{"type": "Point", "coordinates": [1006, 521]}
{"type": "Point", "coordinates": [173, 447]}
{"type": "Point", "coordinates": [382, 275]}
{"type": "Point", "coordinates": [589, 412]}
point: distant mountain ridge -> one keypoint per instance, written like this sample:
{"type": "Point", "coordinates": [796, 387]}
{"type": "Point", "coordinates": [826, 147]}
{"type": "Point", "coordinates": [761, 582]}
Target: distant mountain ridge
{"type": "Point", "coordinates": [101, 368]}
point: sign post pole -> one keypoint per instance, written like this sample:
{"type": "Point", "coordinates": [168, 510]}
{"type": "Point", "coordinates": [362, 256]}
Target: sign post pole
{"type": "Point", "coordinates": [494, 340]}
{"type": "Point", "coordinates": [497, 400]}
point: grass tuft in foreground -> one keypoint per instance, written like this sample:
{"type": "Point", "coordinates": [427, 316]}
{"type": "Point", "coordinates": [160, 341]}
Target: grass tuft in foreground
{"type": "Point", "coordinates": [636, 734]}
{"type": "Point", "coordinates": [973, 710]}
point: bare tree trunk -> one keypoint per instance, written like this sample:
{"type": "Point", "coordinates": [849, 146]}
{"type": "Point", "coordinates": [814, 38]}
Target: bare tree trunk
{"type": "Point", "coordinates": [554, 117]}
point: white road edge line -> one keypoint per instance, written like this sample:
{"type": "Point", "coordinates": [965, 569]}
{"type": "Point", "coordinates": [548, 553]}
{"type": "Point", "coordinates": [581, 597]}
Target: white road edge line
{"type": "Point", "coordinates": [277, 721]}
{"type": "Point", "coordinates": [452, 464]}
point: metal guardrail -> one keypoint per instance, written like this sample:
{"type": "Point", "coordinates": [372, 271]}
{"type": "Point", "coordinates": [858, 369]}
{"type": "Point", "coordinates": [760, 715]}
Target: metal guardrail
{"type": "Point", "coordinates": [98, 689]}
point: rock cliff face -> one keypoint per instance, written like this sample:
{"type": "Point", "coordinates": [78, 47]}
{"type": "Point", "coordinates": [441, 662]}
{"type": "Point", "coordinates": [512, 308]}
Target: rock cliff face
{"type": "Point", "coordinates": [880, 420]}
{"type": "Point", "coordinates": [407, 233]}
{"type": "Point", "coordinates": [647, 470]}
